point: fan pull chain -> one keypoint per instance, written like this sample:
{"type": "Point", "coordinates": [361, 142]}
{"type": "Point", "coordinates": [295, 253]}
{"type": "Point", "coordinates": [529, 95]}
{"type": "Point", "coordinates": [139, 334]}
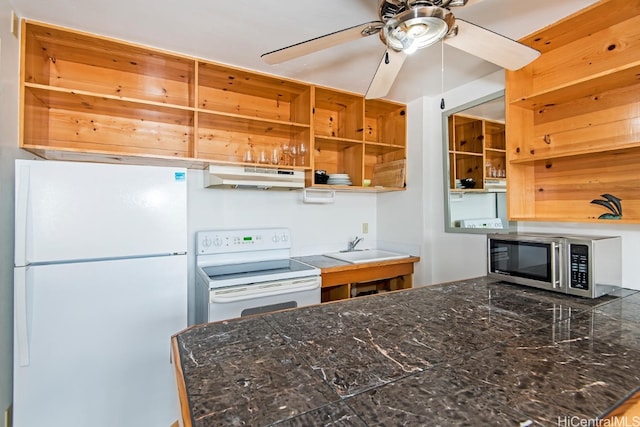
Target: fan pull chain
{"type": "Point", "coordinates": [442, 74]}
{"type": "Point", "coordinates": [386, 54]}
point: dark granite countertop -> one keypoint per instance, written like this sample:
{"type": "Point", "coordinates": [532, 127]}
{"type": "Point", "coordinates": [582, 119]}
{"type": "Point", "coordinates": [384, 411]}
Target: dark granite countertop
{"type": "Point", "coordinates": [475, 352]}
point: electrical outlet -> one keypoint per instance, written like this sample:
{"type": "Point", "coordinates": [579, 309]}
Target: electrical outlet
{"type": "Point", "coordinates": [8, 416]}
{"type": "Point", "coordinates": [365, 227]}
{"type": "Point", "coordinates": [15, 23]}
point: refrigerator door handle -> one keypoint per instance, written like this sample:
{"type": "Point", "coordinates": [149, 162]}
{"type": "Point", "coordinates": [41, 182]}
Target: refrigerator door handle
{"type": "Point", "coordinates": [21, 328]}
{"type": "Point", "coordinates": [21, 210]}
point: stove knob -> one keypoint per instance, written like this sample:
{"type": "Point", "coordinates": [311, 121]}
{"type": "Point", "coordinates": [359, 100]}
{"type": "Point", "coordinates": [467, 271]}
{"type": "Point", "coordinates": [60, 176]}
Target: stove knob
{"type": "Point", "coordinates": [217, 242]}
{"type": "Point", "coordinates": [206, 242]}
{"type": "Point", "coordinates": [285, 238]}
{"type": "Point", "coordinates": [275, 238]}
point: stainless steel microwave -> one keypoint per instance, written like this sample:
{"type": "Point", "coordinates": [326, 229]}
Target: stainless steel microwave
{"type": "Point", "coordinates": [586, 266]}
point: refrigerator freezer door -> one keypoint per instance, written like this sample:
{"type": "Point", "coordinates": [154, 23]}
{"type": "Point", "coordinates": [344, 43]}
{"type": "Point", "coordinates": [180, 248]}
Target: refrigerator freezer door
{"type": "Point", "coordinates": [69, 211]}
{"type": "Point", "coordinates": [98, 336]}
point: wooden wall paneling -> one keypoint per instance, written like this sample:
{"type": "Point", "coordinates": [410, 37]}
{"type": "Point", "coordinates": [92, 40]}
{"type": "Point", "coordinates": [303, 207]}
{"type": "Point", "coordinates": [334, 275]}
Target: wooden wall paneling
{"type": "Point", "coordinates": [452, 170]}
{"type": "Point", "coordinates": [385, 122]}
{"type": "Point", "coordinates": [338, 114]}
{"type": "Point", "coordinates": [596, 17]}
{"type": "Point", "coordinates": [226, 138]}
{"type": "Point", "coordinates": [301, 106]}
{"type": "Point", "coordinates": [614, 135]}
{"type": "Point", "coordinates": [574, 181]}
{"type": "Point", "coordinates": [469, 136]}
{"type": "Point", "coordinates": [83, 122]}
{"type": "Point", "coordinates": [351, 162]}
{"type": "Point", "coordinates": [597, 107]}
{"type": "Point", "coordinates": [601, 53]}
{"type": "Point", "coordinates": [36, 113]}
{"type": "Point", "coordinates": [470, 166]}
{"type": "Point", "coordinates": [90, 132]}
{"type": "Point", "coordinates": [520, 181]}
{"type": "Point", "coordinates": [93, 64]}
{"type": "Point", "coordinates": [521, 192]}
{"type": "Point", "coordinates": [494, 135]}
{"type": "Point", "coordinates": [225, 101]}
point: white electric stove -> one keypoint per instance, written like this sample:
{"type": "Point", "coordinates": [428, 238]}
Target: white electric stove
{"type": "Point", "coordinates": [242, 272]}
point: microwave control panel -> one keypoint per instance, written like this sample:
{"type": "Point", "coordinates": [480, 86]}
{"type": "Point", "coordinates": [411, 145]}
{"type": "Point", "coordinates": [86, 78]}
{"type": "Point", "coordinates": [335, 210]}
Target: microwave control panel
{"type": "Point", "coordinates": [579, 269]}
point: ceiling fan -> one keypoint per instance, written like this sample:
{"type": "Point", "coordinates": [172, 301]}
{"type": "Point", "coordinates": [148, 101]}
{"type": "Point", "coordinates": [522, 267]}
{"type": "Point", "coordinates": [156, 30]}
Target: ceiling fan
{"type": "Point", "coordinates": [408, 25]}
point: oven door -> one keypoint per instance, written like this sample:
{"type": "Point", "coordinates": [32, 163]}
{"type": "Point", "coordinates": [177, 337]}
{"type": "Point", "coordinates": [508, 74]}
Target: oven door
{"type": "Point", "coordinates": [526, 262]}
{"type": "Point", "coordinates": [265, 297]}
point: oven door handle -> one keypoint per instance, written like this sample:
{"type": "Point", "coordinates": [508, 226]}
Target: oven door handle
{"type": "Point", "coordinates": [253, 291]}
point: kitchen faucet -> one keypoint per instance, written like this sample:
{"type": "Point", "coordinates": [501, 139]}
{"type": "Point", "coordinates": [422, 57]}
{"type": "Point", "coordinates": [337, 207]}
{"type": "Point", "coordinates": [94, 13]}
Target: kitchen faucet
{"type": "Point", "coordinates": [353, 243]}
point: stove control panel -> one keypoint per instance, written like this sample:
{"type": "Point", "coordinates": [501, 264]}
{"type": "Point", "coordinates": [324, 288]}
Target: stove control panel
{"type": "Point", "coordinates": [242, 240]}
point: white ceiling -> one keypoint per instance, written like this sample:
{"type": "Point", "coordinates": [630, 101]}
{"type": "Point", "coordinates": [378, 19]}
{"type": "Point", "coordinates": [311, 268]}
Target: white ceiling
{"type": "Point", "coordinates": [237, 32]}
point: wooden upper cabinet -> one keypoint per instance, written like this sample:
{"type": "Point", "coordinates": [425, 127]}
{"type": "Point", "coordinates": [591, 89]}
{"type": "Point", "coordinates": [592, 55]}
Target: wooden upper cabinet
{"type": "Point", "coordinates": [573, 118]}
{"type": "Point", "coordinates": [75, 61]}
{"type": "Point", "coordinates": [476, 151]}
{"type": "Point", "coordinates": [83, 95]}
{"type": "Point", "coordinates": [87, 97]}
{"type": "Point", "coordinates": [365, 139]}
{"type": "Point", "coordinates": [239, 111]}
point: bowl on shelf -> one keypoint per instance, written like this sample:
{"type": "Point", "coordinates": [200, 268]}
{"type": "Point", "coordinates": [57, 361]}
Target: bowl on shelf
{"type": "Point", "coordinates": [468, 183]}
{"type": "Point", "coordinates": [320, 177]}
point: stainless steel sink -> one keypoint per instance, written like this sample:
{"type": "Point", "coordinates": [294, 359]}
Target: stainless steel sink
{"type": "Point", "coordinates": [366, 255]}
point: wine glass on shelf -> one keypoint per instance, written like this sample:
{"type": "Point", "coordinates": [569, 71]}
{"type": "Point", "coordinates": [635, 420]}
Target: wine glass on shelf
{"type": "Point", "coordinates": [286, 151]}
{"type": "Point", "coordinates": [302, 151]}
{"type": "Point", "coordinates": [263, 157]}
{"type": "Point", "coordinates": [275, 155]}
{"type": "Point", "coordinates": [249, 155]}
{"type": "Point", "coordinates": [293, 151]}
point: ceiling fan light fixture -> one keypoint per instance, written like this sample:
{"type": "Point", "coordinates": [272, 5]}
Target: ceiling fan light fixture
{"type": "Point", "coordinates": [417, 28]}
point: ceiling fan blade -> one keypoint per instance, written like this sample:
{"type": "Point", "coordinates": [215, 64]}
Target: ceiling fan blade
{"type": "Point", "coordinates": [491, 46]}
{"type": "Point", "coordinates": [386, 74]}
{"type": "Point", "coordinates": [320, 43]}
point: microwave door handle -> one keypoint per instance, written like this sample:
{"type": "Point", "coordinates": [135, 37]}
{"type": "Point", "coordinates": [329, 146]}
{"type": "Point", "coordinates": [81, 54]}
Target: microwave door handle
{"type": "Point", "coordinates": [555, 267]}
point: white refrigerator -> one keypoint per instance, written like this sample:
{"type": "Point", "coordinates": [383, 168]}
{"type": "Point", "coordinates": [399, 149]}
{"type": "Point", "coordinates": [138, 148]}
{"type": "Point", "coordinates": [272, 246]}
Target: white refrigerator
{"type": "Point", "coordinates": [100, 285]}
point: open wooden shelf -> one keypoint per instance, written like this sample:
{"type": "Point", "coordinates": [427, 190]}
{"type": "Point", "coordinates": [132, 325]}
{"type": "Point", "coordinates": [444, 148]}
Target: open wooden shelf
{"type": "Point", "coordinates": [385, 122]}
{"type": "Point", "coordinates": [87, 97]}
{"type": "Point", "coordinates": [476, 146]}
{"type": "Point", "coordinates": [573, 135]}
{"type": "Point", "coordinates": [73, 121]}
{"type": "Point", "coordinates": [339, 155]}
{"type": "Point", "coordinates": [227, 90]}
{"type": "Point", "coordinates": [56, 57]}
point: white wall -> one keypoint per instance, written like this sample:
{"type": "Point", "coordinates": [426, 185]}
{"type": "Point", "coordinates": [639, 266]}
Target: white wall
{"type": "Point", "coordinates": [402, 214]}
{"type": "Point", "coordinates": [8, 152]}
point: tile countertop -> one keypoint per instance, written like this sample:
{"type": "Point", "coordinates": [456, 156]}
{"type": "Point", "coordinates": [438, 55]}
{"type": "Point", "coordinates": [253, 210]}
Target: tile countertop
{"type": "Point", "coordinates": [326, 263]}
{"type": "Point", "coordinates": [474, 352]}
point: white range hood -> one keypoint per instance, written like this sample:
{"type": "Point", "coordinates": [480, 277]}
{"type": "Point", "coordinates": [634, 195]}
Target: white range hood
{"type": "Point", "coordinates": [253, 177]}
